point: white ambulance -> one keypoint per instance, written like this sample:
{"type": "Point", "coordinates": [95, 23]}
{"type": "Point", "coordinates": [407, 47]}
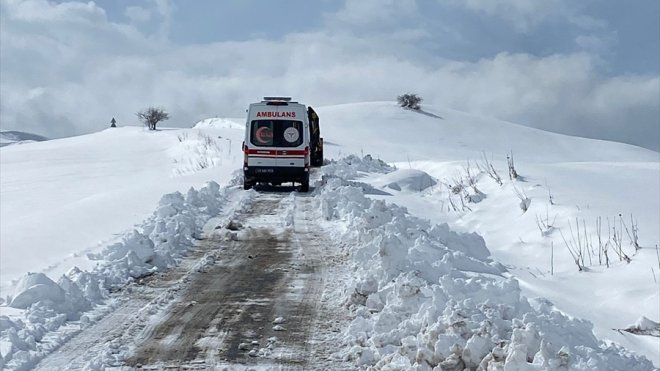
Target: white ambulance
{"type": "Point", "coordinates": [277, 143]}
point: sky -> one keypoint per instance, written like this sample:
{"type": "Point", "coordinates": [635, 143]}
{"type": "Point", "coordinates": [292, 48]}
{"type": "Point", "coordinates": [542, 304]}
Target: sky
{"type": "Point", "coordinates": [588, 68]}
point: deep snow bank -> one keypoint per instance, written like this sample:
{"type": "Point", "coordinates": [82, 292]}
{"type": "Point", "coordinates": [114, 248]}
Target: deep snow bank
{"type": "Point", "coordinates": [158, 245]}
{"type": "Point", "coordinates": [425, 297]}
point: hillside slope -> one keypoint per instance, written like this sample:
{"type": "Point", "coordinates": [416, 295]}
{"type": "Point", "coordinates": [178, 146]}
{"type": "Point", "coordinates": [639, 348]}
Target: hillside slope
{"type": "Point", "coordinates": [385, 130]}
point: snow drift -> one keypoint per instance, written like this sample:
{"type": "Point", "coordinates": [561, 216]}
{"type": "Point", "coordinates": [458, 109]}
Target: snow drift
{"type": "Point", "coordinates": [425, 297]}
{"type": "Point", "coordinates": [159, 243]}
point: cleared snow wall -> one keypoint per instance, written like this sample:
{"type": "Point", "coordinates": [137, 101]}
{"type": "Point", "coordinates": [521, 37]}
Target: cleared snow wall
{"type": "Point", "coordinates": [425, 297]}
{"type": "Point", "coordinates": [161, 241]}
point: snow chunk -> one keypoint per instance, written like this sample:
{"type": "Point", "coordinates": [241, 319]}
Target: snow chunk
{"type": "Point", "coordinates": [410, 180]}
{"type": "Point", "coordinates": [134, 242]}
{"type": "Point", "coordinates": [353, 167]}
{"type": "Point", "coordinates": [35, 287]}
{"type": "Point", "coordinates": [75, 301]}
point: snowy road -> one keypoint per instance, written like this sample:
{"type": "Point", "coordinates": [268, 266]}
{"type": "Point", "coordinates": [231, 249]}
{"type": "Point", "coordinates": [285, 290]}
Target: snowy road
{"type": "Point", "coordinates": [249, 297]}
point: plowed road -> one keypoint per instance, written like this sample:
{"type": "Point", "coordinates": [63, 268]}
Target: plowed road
{"type": "Point", "coordinates": [257, 295]}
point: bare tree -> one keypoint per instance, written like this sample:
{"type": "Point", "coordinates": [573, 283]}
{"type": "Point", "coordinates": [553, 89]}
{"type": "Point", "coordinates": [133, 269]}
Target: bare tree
{"type": "Point", "coordinates": [151, 116]}
{"type": "Point", "coordinates": [409, 100]}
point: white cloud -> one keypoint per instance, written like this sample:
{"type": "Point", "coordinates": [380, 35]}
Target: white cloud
{"type": "Point", "coordinates": [156, 14]}
{"type": "Point", "coordinates": [164, 9]}
{"type": "Point", "coordinates": [562, 93]}
{"type": "Point", "coordinates": [598, 44]}
{"type": "Point", "coordinates": [587, 23]}
{"type": "Point", "coordinates": [524, 15]}
{"type": "Point", "coordinates": [138, 14]}
{"type": "Point", "coordinates": [370, 13]}
{"type": "Point", "coordinates": [42, 10]}
{"type": "Point", "coordinates": [73, 77]}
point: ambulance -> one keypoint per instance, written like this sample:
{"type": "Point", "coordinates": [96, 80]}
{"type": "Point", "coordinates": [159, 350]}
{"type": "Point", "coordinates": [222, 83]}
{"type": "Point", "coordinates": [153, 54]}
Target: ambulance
{"type": "Point", "coordinates": [282, 142]}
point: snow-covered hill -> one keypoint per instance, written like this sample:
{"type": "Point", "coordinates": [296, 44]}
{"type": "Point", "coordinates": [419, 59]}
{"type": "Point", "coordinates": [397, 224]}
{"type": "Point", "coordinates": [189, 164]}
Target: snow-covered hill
{"type": "Point", "coordinates": [64, 199]}
{"type": "Point", "coordinates": [12, 137]}
{"type": "Point", "coordinates": [393, 134]}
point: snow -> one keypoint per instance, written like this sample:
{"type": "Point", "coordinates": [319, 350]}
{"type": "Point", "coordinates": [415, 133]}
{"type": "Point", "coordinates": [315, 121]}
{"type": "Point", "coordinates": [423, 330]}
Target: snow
{"type": "Point", "coordinates": [425, 296]}
{"type": "Point", "coordinates": [411, 180]}
{"type": "Point", "coordinates": [456, 275]}
{"type": "Point", "coordinates": [101, 184]}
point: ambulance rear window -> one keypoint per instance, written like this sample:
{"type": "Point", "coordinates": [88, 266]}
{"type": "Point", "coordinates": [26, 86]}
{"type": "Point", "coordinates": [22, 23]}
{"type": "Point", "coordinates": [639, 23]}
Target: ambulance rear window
{"type": "Point", "coordinates": [276, 133]}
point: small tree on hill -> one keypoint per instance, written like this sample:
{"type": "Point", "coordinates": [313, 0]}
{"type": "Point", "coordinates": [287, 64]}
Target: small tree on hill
{"type": "Point", "coordinates": [409, 100]}
{"type": "Point", "coordinates": [151, 116]}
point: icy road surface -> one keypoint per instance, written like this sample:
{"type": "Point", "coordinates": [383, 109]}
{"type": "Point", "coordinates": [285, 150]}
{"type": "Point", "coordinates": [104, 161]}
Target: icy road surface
{"type": "Point", "coordinates": [248, 296]}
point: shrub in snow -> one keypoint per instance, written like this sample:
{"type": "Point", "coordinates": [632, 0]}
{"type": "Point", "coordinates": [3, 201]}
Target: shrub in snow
{"type": "Point", "coordinates": [513, 174]}
{"type": "Point", "coordinates": [644, 326]}
{"type": "Point", "coordinates": [409, 100]}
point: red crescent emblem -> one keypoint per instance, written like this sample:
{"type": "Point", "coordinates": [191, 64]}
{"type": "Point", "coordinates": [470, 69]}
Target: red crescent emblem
{"type": "Point", "coordinates": [264, 135]}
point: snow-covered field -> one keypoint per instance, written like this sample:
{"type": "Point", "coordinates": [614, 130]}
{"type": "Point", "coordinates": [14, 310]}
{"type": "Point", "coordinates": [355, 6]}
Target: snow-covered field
{"type": "Point", "coordinates": [422, 291]}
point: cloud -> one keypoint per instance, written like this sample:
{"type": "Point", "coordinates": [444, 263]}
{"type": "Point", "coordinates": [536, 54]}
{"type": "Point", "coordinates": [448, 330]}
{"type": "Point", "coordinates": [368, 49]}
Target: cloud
{"type": "Point", "coordinates": [138, 14]}
{"type": "Point", "coordinates": [69, 75]}
{"type": "Point", "coordinates": [561, 93]}
{"type": "Point", "coordinates": [154, 19]}
{"type": "Point", "coordinates": [370, 13]}
{"type": "Point", "coordinates": [164, 9]}
{"type": "Point", "coordinates": [527, 15]}
{"type": "Point", "coordinates": [524, 15]}
{"type": "Point", "coordinates": [42, 10]}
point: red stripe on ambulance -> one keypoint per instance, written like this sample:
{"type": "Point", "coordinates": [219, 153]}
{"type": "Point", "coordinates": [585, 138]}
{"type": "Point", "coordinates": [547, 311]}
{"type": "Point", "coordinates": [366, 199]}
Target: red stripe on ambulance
{"type": "Point", "coordinates": [290, 152]}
